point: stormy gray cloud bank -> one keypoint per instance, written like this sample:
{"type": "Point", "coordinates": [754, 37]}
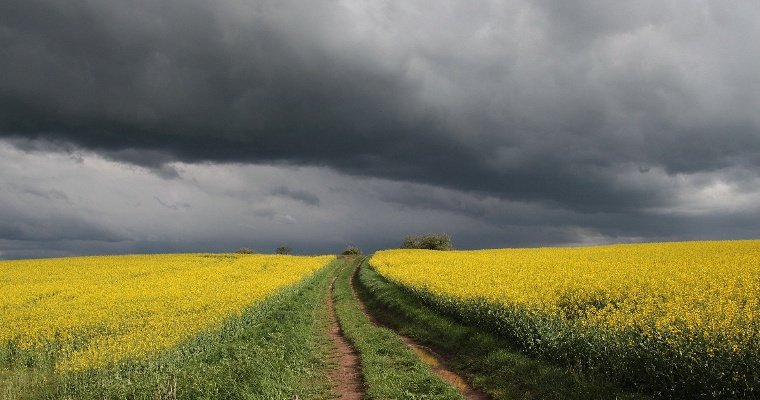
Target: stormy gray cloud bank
{"type": "Point", "coordinates": [191, 125]}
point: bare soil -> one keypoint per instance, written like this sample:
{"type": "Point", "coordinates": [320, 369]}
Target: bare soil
{"type": "Point", "coordinates": [434, 360]}
{"type": "Point", "coordinates": [347, 376]}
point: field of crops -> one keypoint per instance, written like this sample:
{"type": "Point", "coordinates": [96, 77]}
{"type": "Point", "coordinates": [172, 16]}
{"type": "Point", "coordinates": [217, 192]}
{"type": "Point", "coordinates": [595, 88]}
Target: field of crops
{"type": "Point", "coordinates": [89, 312]}
{"type": "Point", "coordinates": [680, 319]}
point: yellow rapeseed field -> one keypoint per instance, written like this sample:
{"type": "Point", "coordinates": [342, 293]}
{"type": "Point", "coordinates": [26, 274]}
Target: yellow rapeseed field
{"type": "Point", "coordinates": [97, 310]}
{"type": "Point", "coordinates": [694, 304]}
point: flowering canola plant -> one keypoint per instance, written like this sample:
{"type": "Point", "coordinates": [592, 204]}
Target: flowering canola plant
{"type": "Point", "coordinates": [675, 318]}
{"type": "Point", "coordinates": [93, 311]}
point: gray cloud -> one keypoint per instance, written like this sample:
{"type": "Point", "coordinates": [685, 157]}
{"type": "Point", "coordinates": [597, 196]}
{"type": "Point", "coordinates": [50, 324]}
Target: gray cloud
{"type": "Point", "coordinates": [303, 196]}
{"type": "Point", "coordinates": [47, 194]}
{"type": "Point", "coordinates": [273, 215]}
{"type": "Point", "coordinates": [29, 228]}
{"type": "Point", "coordinates": [173, 206]}
{"type": "Point", "coordinates": [565, 121]}
{"type": "Point", "coordinates": [540, 101]}
{"type": "Point", "coordinates": [113, 207]}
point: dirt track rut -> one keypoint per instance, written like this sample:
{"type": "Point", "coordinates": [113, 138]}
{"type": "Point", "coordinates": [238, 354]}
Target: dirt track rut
{"type": "Point", "coordinates": [435, 361]}
{"type": "Point", "coordinates": [347, 375]}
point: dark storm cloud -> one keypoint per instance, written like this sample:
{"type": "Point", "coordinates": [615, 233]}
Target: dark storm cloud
{"type": "Point", "coordinates": [174, 77]}
{"type": "Point", "coordinates": [584, 108]}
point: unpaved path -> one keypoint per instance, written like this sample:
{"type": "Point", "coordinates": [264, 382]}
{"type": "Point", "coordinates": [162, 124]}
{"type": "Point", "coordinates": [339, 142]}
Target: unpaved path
{"type": "Point", "coordinates": [347, 376]}
{"type": "Point", "coordinates": [435, 361]}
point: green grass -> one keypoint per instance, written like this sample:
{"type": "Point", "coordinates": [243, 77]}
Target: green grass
{"type": "Point", "coordinates": [490, 363]}
{"type": "Point", "coordinates": [276, 349]}
{"type": "Point", "coordinates": [390, 369]}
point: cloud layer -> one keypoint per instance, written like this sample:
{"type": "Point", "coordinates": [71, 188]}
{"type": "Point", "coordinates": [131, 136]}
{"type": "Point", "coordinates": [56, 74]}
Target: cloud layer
{"type": "Point", "coordinates": [619, 120]}
{"type": "Point", "coordinates": [57, 204]}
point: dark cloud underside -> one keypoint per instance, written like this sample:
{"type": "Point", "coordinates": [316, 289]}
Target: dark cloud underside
{"type": "Point", "coordinates": [608, 111]}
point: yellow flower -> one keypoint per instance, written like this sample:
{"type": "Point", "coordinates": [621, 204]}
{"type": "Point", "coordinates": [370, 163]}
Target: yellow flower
{"type": "Point", "coordinates": [99, 310]}
{"type": "Point", "coordinates": [696, 296]}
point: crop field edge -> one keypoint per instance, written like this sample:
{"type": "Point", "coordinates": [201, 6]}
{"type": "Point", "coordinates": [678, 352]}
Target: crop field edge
{"type": "Point", "coordinates": [287, 329]}
{"type": "Point", "coordinates": [490, 363]}
{"type": "Point", "coordinates": [676, 320]}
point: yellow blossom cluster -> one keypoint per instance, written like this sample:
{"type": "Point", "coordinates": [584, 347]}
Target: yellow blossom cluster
{"type": "Point", "coordinates": [98, 310]}
{"type": "Point", "coordinates": [697, 301]}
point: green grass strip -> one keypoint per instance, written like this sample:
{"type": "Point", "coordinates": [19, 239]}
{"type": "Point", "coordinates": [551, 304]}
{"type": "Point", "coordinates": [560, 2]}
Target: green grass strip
{"type": "Point", "coordinates": [277, 349]}
{"type": "Point", "coordinates": [390, 369]}
{"type": "Point", "coordinates": [490, 363]}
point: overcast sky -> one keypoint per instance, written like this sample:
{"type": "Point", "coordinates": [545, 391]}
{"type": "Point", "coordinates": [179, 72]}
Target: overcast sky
{"type": "Point", "coordinates": [194, 125]}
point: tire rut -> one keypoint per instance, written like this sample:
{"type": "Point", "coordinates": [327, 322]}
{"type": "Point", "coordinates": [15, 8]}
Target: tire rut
{"type": "Point", "coordinates": [347, 376]}
{"type": "Point", "coordinates": [427, 355]}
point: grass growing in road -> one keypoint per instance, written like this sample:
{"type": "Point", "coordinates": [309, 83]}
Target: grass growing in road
{"type": "Point", "coordinates": [489, 362]}
{"type": "Point", "coordinates": [390, 369]}
{"type": "Point", "coordinates": [275, 349]}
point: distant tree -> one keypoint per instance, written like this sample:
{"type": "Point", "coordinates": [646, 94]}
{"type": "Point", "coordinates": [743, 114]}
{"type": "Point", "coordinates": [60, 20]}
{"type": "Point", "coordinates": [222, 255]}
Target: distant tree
{"type": "Point", "coordinates": [430, 241]}
{"type": "Point", "coordinates": [284, 250]}
{"type": "Point", "coordinates": [244, 250]}
{"type": "Point", "coordinates": [411, 242]}
{"type": "Point", "coordinates": [351, 251]}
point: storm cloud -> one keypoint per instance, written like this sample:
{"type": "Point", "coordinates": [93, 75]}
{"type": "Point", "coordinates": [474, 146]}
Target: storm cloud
{"type": "Point", "coordinates": [540, 122]}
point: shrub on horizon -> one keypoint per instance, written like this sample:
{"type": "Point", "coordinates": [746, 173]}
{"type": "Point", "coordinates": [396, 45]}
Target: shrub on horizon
{"type": "Point", "coordinates": [284, 250]}
{"type": "Point", "coordinates": [351, 251]}
{"type": "Point", "coordinates": [430, 241]}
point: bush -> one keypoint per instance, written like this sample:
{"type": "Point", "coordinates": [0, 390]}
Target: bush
{"type": "Point", "coordinates": [431, 241]}
{"type": "Point", "coordinates": [284, 250]}
{"type": "Point", "coordinates": [244, 250]}
{"type": "Point", "coordinates": [352, 251]}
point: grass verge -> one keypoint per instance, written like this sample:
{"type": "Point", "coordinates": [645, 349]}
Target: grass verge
{"type": "Point", "coordinates": [490, 363]}
{"type": "Point", "coordinates": [276, 349]}
{"type": "Point", "coordinates": [390, 369]}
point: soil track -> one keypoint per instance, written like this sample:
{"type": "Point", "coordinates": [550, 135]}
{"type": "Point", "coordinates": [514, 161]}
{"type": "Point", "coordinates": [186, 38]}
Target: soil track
{"type": "Point", "coordinates": [435, 361]}
{"type": "Point", "coordinates": [347, 376]}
